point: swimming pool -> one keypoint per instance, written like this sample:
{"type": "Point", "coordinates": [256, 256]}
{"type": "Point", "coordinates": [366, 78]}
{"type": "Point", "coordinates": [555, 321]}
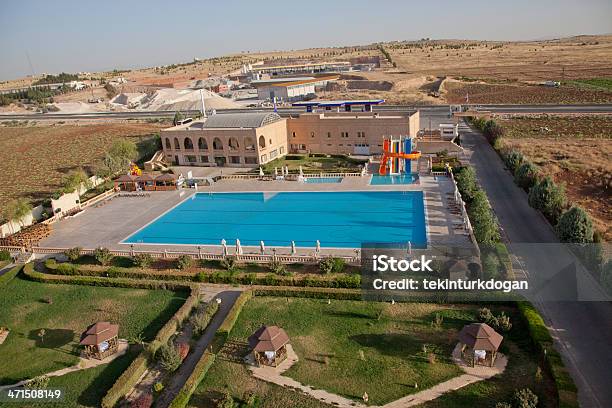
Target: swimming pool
{"type": "Point", "coordinates": [379, 180]}
{"type": "Point", "coordinates": [320, 180]}
{"type": "Point", "coordinates": [336, 219]}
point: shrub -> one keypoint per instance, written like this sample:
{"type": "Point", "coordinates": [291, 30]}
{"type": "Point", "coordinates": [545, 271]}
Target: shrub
{"type": "Point", "coordinates": [229, 263]}
{"type": "Point", "coordinates": [548, 197]}
{"type": "Point", "coordinates": [503, 322]}
{"type": "Point", "coordinates": [5, 255]}
{"type": "Point", "coordinates": [67, 269]}
{"type": "Point", "coordinates": [575, 226]}
{"type": "Point", "coordinates": [158, 387]}
{"type": "Point", "coordinates": [200, 277]}
{"type": "Point", "coordinates": [201, 320]}
{"type": "Point", "coordinates": [331, 265]}
{"type": "Point", "coordinates": [277, 267]}
{"type": "Point", "coordinates": [526, 175]}
{"type": "Point", "coordinates": [484, 314]}
{"type": "Point", "coordinates": [73, 254]}
{"type": "Point", "coordinates": [144, 401]}
{"type": "Point", "coordinates": [103, 256]}
{"type": "Point", "coordinates": [169, 357]}
{"type": "Point", "coordinates": [38, 383]}
{"type": "Point", "coordinates": [143, 260]}
{"type": "Point", "coordinates": [503, 405]}
{"type": "Point", "coordinates": [513, 160]}
{"type": "Point", "coordinates": [525, 398]}
{"type": "Point", "coordinates": [184, 262]}
{"type": "Point", "coordinates": [227, 401]}
{"type": "Point", "coordinates": [490, 265]}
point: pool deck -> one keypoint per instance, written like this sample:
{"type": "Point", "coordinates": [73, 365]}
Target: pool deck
{"type": "Point", "coordinates": [109, 223]}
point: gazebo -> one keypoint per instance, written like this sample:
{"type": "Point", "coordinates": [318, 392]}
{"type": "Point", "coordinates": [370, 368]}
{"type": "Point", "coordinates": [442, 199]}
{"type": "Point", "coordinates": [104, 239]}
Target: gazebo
{"type": "Point", "coordinates": [167, 181]}
{"type": "Point", "coordinates": [146, 182]}
{"type": "Point", "coordinates": [127, 182]}
{"type": "Point", "coordinates": [100, 340]}
{"type": "Point", "coordinates": [269, 345]}
{"type": "Point", "coordinates": [479, 344]}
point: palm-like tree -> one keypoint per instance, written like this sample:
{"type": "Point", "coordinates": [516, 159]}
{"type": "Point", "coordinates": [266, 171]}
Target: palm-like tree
{"type": "Point", "coordinates": [17, 209]}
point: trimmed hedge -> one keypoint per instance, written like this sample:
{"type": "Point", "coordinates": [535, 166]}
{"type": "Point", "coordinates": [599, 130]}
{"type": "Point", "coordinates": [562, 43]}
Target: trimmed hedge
{"type": "Point", "coordinates": [8, 276]}
{"type": "Point", "coordinates": [130, 376]}
{"type": "Point", "coordinates": [193, 381]}
{"type": "Point", "coordinates": [313, 293]}
{"type": "Point", "coordinates": [567, 392]}
{"type": "Point", "coordinates": [228, 324]}
{"type": "Point", "coordinates": [349, 281]}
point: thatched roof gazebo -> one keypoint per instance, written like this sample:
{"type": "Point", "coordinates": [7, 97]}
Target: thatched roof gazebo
{"type": "Point", "coordinates": [146, 182]}
{"type": "Point", "coordinates": [166, 181]}
{"type": "Point", "coordinates": [269, 345]}
{"type": "Point", "coordinates": [126, 182]}
{"type": "Point", "coordinates": [100, 340]}
{"type": "Point", "coordinates": [479, 344]}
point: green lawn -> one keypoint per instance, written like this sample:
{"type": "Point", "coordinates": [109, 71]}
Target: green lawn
{"type": "Point", "coordinates": [328, 339]}
{"type": "Point", "coordinates": [64, 311]}
{"type": "Point", "coordinates": [324, 164]}
{"type": "Point", "coordinates": [602, 84]}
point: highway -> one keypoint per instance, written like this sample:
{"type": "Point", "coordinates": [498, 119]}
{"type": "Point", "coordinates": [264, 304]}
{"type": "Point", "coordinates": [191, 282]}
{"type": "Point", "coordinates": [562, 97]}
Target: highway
{"type": "Point", "coordinates": [526, 109]}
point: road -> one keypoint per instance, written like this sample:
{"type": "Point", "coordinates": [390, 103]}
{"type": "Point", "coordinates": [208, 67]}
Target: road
{"type": "Point", "coordinates": [442, 109]}
{"type": "Point", "coordinates": [582, 330]}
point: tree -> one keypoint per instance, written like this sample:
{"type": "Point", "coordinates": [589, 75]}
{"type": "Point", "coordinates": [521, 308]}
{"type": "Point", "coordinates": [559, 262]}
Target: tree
{"type": "Point", "coordinates": [74, 180]}
{"type": "Point", "coordinates": [184, 262]}
{"type": "Point", "coordinates": [575, 226]}
{"type": "Point", "coordinates": [143, 260]}
{"type": "Point", "coordinates": [169, 357]}
{"type": "Point", "coordinates": [484, 223]}
{"type": "Point", "coordinates": [178, 116]}
{"type": "Point", "coordinates": [525, 398]}
{"type": "Point", "coordinates": [121, 153]}
{"type": "Point", "coordinates": [103, 256]}
{"type": "Point", "coordinates": [548, 197]}
{"type": "Point", "coordinates": [41, 334]}
{"type": "Point", "coordinates": [17, 209]}
{"type": "Point", "coordinates": [525, 176]}
{"type": "Point", "coordinates": [466, 183]}
{"type": "Point", "coordinates": [73, 254]}
{"type": "Point", "coordinates": [513, 160]}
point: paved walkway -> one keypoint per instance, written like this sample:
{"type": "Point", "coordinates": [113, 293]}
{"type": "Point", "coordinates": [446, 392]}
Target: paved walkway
{"type": "Point", "coordinates": [83, 364]}
{"type": "Point", "coordinates": [472, 375]}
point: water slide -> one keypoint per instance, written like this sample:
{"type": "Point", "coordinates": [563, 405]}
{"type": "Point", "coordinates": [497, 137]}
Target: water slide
{"type": "Point", "coordinates": [388, 154]}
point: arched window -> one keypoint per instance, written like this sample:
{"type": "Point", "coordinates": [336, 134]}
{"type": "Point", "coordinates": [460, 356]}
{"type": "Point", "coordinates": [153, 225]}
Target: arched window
{"type": "Point", "coordinates": [202, 145]}
{"type": "Point", "coordinates": [177, 146]}
{"type": "Point", "coordinates": [233, 143]}
{"type": "Point", "coordinates": [168, 144]}
{"type": "Point", "coordinates": [262, 141]}
{"type": "Point", "coordinates": [249, 144]}
{"type": "Point", "coordinates": [217, 144]}
{"type": "Point", "coordinates": [188, 144]}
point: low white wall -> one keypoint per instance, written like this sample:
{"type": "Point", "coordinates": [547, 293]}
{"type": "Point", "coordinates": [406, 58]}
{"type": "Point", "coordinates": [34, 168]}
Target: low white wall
{"type": "Point", "coordinates": [13, 226]}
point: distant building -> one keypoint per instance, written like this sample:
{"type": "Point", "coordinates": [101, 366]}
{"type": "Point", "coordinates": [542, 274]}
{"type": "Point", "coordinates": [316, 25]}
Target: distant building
{"type": "Point", "coordinates": [304, 68]}
{"type": "Point", "coordinates": [231, 139]}
{"type": "Point", "coordinates": [252, 139]}
{"type": "Point", "coordinates": [290, 89]}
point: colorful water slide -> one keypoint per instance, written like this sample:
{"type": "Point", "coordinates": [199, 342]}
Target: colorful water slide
{"type": "Point", "coordinates": [392, 155]}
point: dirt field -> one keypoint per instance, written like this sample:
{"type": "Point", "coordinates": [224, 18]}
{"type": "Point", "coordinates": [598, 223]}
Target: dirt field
{"type": "Point", "coordinates": [577, 152]}
{"type": "Point", "coordinates": [34, 158]}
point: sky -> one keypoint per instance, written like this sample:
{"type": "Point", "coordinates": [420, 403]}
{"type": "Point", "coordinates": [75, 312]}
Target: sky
{"type": "Point", "coordinates": [73, 36]}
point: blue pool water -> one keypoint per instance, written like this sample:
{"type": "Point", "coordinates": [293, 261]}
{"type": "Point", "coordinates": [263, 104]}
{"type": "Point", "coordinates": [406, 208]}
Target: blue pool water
{"type": "Point", "coordinates": [319, 180]}
{"type": "Point", "coordinates": [378, 180]}
{"type": "Point", "coordinates": [337, 219]}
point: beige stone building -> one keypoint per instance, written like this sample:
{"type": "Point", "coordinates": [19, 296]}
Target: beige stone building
{"type": "Point", "coordinates": [251, 139]}
{"type": "Point", "coordinates": [231, 139]}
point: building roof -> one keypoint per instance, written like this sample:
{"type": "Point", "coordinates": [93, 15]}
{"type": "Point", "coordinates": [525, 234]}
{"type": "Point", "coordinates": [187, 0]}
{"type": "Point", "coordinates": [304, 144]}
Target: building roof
{"type": "Point", "coordinates": [126, 178]}
{"type": "Point", "coordinates": [480, 336]}
{"type": "Point", "coordinates": [238, 120]}
{"type": "Point", "coordinates": [307, 81]}
{"type": "Point", "coordinates": [268, 338]}
{"type": "Point", "coordinates": [166, 177]}
{"type": "Point", "coordinates": [145, 177]}
{"type": "Point", "coordinates": [340, 103]}
{"type": "Point", "coordinates": [98, 333]}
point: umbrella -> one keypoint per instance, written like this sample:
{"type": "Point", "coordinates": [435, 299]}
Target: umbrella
{"type": "Point", "coordinates": [318, 246]}
{"type": "Point", "coordinates": [224, 247]}
{"type": "Point", "coordinates": [409, 248]}
{"type": "Point", "coordinates": [262, 247]}
{"type": "Point", "coordinates": [287, 170]}
{"type": "Point", "coordinates": [301, 171]}
{"type": "Point", "coordinates": [275, 171]}
{"type": "Point", "coordinates": [293, 249]}
{"type": "Point", "coordinates": [261, 173]}
{"type": "Point", "coordinates": [238, 247]}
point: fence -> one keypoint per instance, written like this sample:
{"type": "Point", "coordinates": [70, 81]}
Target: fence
{"type": "Point", "coordinates": [255, 258]}
{"type": "Point", "coordinates": [290, 175]}
{"type": "Point", "coordinates": [464, 214]}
